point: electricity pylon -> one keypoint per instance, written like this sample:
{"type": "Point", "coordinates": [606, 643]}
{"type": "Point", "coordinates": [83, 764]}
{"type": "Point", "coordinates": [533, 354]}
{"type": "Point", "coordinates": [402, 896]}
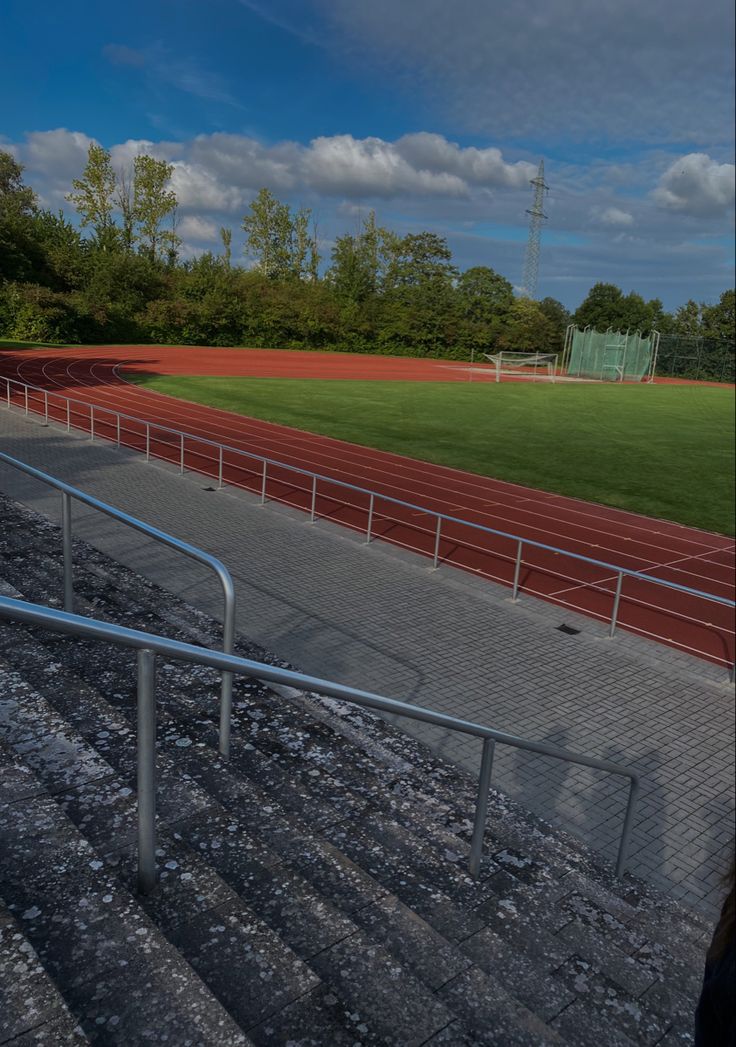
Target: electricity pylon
{"type": "Point", "coordinates": [536, 217]}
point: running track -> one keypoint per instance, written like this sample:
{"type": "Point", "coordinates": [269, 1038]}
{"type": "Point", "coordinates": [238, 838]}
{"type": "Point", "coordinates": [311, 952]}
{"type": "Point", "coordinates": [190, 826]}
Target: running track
{"type": "Point", "coordinates": [688, 556]}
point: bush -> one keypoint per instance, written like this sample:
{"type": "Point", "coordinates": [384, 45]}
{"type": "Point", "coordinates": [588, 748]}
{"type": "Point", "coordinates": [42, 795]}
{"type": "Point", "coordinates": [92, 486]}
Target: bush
{"type": "Point", "coordinates": [29, 312]}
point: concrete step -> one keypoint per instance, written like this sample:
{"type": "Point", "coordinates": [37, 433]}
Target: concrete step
{"type": "Point", "coordinates": [319, 745]}
{"type": "Point", "coordinates": [33, 1010]}
{"type": "Point", "coordinates": [220, 924]}
{"type": "Point", "coordinates": [112, 967]}
{"type": "Point", "coordinates": [413, 887]}
{"type": "Point", "coordinates": [331, 851]}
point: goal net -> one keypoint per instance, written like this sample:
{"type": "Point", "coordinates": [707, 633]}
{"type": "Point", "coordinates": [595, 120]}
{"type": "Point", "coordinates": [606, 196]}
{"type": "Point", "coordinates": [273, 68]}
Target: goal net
{"type": "Point", "coordinates": [524, 365]}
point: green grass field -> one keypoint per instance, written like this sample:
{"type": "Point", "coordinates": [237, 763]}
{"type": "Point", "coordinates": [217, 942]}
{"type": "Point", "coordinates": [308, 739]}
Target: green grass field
{"type": "Point", "coordinates": [9, 343]}
{"type": "Point", "coordinates": [664, 450]}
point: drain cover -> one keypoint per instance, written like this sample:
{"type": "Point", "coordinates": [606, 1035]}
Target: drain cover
{"type": "Point", "coordinates": [567, 630]}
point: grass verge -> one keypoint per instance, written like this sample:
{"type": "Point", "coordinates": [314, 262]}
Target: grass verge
{"type": "Point", "coordinates": [665, 451]}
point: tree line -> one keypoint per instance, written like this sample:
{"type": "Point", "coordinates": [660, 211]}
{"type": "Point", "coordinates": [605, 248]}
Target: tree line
{"type": "Point", "coordinates": [117, 276]}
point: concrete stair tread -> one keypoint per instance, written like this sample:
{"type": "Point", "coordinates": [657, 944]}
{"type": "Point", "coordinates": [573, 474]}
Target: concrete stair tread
{"type": "Point", "coordinates": [391, 1001]}
{"type": "Point", "coordinates": [494, 1016]}
{"type": "Point", "coordinates": [313, 889]}
{"type": "Point", "coordinates": [92, 938]}
{"type": "Point", "coordinates": [327, 786]}
{"type": "Point", "coordinates": [316, 1019]}
{"type": "Point", "coordinates": [30, 1000]}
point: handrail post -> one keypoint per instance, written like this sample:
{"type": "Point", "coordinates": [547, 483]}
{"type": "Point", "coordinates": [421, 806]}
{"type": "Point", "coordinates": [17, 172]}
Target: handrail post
{"type": "Point", "coordinates": [481, 807]}
{"type": "Point", "coordinates": [7, 385]}
{"type": "Point", "coordinates": [616, 601]}
{"type": "Point", "coordinates": [517, 571]}
{"type": "Point", "coordinates": [118, 430]}
{"type": "Point", "coordinates": [435, 558]}
{"type": "Point", "coordinates": [623, 847]}
{"type": "Point", "coordinates": [68, 416]}
{"type": "Point", "coordinates": [66, 541]}
{"type": "Point", "coordinates": [25, 387]}
{"type": "Point", "coordinates": [314, 498]}
{"type": "Point", "coordinates": [219, 470]}
{"type": "Point", "coordinates": [263, 482]}
{"type": "Point", "coordinates": [181, 453]}
{"type": "Point", "coordinates": [226, 690]}
{"type": "Point", "coordinates": [91, 421]}
{"type": "Point", "coordinates": [46, 406]}
{"type": "Point", "coordinates": [370, 520]}
{"type": "Point", "coordinates": [146, 771]}
{"type": "Point", "coordinates": [148, 442]}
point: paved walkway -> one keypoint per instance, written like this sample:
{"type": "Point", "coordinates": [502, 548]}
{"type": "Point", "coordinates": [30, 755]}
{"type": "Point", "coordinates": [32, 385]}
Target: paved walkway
{"type": "Point", "coordinates": [378, 618]}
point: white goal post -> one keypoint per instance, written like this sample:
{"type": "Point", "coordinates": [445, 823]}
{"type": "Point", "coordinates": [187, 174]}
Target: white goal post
{"type": "Point", "coordinates": [525, 365]}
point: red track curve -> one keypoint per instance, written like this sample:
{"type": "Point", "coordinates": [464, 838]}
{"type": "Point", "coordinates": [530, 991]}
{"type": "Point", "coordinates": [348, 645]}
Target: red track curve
{"type": "Point", "coordinates": [691, 557]}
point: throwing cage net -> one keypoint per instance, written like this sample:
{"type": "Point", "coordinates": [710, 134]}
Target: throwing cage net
{"type": "Point", "coordinates": [524, 365]}
{"type": "Point", "coordinates": [610, 356]}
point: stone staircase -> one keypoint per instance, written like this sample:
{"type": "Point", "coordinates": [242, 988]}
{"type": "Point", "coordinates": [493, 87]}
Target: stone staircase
{"type": "Point", "coordinates": [313, 890]}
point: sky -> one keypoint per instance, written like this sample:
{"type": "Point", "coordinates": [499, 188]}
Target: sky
{"type": "Point", "coordinates": [434, 114]}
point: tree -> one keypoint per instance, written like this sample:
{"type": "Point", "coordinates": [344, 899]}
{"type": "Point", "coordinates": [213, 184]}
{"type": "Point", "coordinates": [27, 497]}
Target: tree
{"type": "Point", "coordinates": [268, 232]}
{"type": "Point", "coordinates": [153, 202]}
{"type": "Point", "coordinates": [280, 242]}
{"type": "Point", "coordinates": [63, 256]}
{"type": "Point", "coordinates": [16, 199]}
{"type": "Point", "coordinates": [527, 329]}
{"type": "Point", "coordinates": [418, 294]}
{"type": "Point", "coordinates": [226, 235]}
{"type": "Point", "coordinates": [351, 274]}
{"type": "Point", "coordinates": [304, 254]}
{"type": "Point", "coordinates": [94, 197]}
{"type": "Point", "coordinates": [124, 200]}
{"type": "Point", "coordinates": [484, 293]}
{"type": "Point", "coordinates": [18, 252]}
{"type": "Point", "coordinates": [687, 319]}
{"type": "Point", "coordinates": [417, 259]}
{"type": "Point", "coordinates": [718, 320]}
{"type": "Point", "coordinates": [559, 317]}
{"type": "Point", "coordinates": [360, 262]}
{"type": "Point", "coordinates": [606, 306]}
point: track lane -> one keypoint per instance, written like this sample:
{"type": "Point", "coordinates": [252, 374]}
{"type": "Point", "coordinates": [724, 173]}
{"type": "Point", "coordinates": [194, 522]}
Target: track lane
{"type": "Point", "coordinates": [685, 555]}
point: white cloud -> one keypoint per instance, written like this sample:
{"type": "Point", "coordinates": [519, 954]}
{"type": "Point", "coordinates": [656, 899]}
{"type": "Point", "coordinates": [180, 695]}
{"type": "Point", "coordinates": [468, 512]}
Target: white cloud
{"type": "Point", "coordinates": [124, 154]}
{"type": "Point", "coordinates": [696, 185]}
{"type": "Point", "coordinates": [61, 153]}
{"type": "Point", "coordinates": [245, 162]}
{"type": "Point", "coordinates": [192, 227]}
{"type": "Point", "coordinates": [221, 172]}
{"type": "Point", "coordinates": [474, 196]}
{"type": "Point", "coordinates": [368, 167]}
{"type": "Point", "coordinates": [198, 189]}
{"type": "Point", "coordinates": [615, 216]}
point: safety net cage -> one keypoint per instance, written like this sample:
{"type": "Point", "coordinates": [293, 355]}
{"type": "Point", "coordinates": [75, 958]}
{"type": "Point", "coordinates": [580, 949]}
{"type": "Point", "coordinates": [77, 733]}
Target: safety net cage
{"type": "Point", "coordinates": [610, 356]}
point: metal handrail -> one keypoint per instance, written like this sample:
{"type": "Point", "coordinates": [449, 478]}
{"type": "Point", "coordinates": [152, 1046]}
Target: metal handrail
{"type": "Point", "coordinates": [149, 645]}
{"type": "Point", "coordinates": [228, 589]}
{"type": "Point", "coordinates": [265, 462]}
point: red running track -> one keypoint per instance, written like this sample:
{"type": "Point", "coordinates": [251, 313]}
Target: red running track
{"type": "Point", "coordinates": [688, 556]}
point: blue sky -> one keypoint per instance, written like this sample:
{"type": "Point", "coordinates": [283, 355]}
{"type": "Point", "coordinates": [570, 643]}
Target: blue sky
{"type": "Point", "coordinates": [433, 114]}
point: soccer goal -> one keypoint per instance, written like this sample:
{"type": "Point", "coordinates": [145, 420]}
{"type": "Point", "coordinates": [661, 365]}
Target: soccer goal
{"type": "Point", "coordinates": [524, 365]}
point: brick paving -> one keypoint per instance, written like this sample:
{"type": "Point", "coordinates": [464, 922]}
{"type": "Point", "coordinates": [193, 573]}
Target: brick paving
{"type": "Point", "coordinates": [378, 618]}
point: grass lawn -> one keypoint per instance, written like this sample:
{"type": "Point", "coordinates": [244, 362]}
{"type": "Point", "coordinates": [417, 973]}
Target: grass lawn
{"type": "Point", "coordinates": [664, 450]}
{"type": "Point", "coordinates": [9, 343]}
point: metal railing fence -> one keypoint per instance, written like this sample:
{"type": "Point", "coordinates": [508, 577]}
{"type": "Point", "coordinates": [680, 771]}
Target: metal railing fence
{"type": "Point", "coordinates": [156, 441]}
{"type": "Point", "coordinates": [69, 493]}
{"type": "Point", "coordinates": [149, 645]}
